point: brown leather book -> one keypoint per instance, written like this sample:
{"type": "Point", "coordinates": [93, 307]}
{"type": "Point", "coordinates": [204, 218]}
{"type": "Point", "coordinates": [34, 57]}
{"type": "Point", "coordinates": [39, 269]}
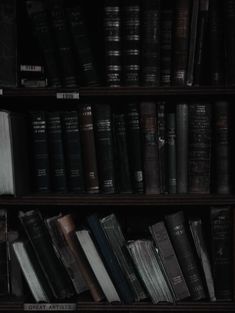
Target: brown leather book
{"type": "Point", "coordinates": [68, 228]}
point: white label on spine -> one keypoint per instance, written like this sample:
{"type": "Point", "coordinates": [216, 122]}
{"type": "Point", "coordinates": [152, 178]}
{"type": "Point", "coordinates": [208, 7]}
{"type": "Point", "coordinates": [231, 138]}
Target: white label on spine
{"type": "Point", "coordinates": [49, 306]}
{"type": "Point", "coordinates": [1, 92]}
{"type": "Point", "coordinates": [67, 95]}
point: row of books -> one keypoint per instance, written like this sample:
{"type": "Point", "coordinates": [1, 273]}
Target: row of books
{"type": "Point", "coordinates": [60, 258]}
{"type": "Point", "coordinates": [151, 147]}
{"type": "Point", "coordinates": [149, 43]}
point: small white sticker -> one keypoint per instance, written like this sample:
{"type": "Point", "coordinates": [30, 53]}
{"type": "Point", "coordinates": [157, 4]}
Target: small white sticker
{"type": "Point", "coordinates": [1, 92]}
{"type": "Point", "coordinates": [67, 95]}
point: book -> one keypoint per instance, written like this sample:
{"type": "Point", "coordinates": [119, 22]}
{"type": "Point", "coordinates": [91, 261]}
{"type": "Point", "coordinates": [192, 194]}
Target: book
{"type": "Point", "coordinates": [148, 118]}
{"type": "Point", "coordinates": [91, 179]}
{"type": "Point", "coordinates": [182, 146]}
{"type": "Point", "coordinates": [72, 151]}
{"type": "Point", "coordinates": [198, 238]}
{"type": "Point", "coordinates": [43, 32]}
{"type": "Point", "coordinates": [96, 263]}
{"type": "Point", "coordinates": [162, 143]}
{"type": "Point", "coordinates": [150, 42]}
{"type": "Point", "coordinates": [67, 227]}
{"type": "Point", "coordinates": [180, 237]}
{"type": "Point", "coordinates": [200, 142]}
{"type": "Point", "coordinates": [221, 250]}
{"type": "Point", "coordinates": [40, 163]}
{"type": "Point", "coordinates": [104, 147]}
{"type": "Point", "coordinates": [65, 254]}
{"type": "Point", "coordinates": [5, 282]}
{"type": "Point", "coordinates": [171, 153]}
{"type": "Point", "coordinates": [112, 43]}
{"type": "Point", "coordinates": [14, 158]}
{"type": "Point", "coordinates": [8, 44]}
{"type": "Point", "coordinates": [51, 266]}
{"type": "Point", "coordinates": [118, 243]}
{"type": "Point", "coordinates": [169, 260]}
{"type": "Point", "coordinates": [134, 144]}
{"type": "Point", "coordinates": [56, 152]}
{"type": "Point", "coordinates": [32, 272]}
{"type": "Point", "coordinates": [146, 261]}
{"type": "Point", "coordinates": [130, 21]}
{"type": "Point", "coordinates": [111, 263]}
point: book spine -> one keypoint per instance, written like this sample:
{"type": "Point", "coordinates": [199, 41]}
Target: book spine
{"type": "Point", "coordinates": [4, 259]}
{"type": "Point", "coordinates": [56, 152]}
{"type": "Point", "coordinates": [112, 37]}
{"type": "Point", "coordinates": [180, 238]}
{"type": "Point", "coordinates": [111, 263]}
{"type": "Point", "coordinates": [135, 147]}
{"type": "Point", "coordinates": [82, 48]}
{"type": "Point", "coordinates": [201, 42]}
{"type": "Point", "coordinates": [72, 151]}
{"type": "Point", "coordinates": [8, 48]}
{"type": "Point", "coordinates": [222, 150]}
{"type": "Point", "coordinates": [221, 245]}
{"type": "Point", "coordinates": [52, 268]}
{"type": "Point", "coordinates": [229, 29]}
{"type": "Point", "coordinates": [166, 26]}
{"type": "Point", "coordinates": [171, 153]}
{"type": "Point", "coordinates": [40, 153]}
{"type": "Point", "coordinates": [131, 42]}
{"type": "Point", "coordinates": [169, 259]}
{"type": "Point", "coordinates": [121, 150]}
{"type": "Point", "coordinates": [216, 44]}
{"type": "Point", "coordinates": [88, 149]}
{"type": "Point", "coordinates": [104, 145]}
{"type": "Point", "coordinates": [182, 116]}
{"type": "Point", "coordinates": [162, 144]}
{"type": "Point", "coordinates": [181, 38]}
{"type": "Point", "coordinates": [150, 43]}
{"type": "Point", "coordinates": [200, 143]}
{"type": "Point", "coordinates": [148, 116]}
{"type": "Point", "coordinates": [60, 31]}
{"type": "Point", "coordinates": [192, 43]}
{"type": "Point", "coordinates": [43, 33]}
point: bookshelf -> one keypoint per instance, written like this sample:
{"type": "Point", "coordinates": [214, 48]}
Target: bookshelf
{"type": "Point", "coordinates": [144, 208]}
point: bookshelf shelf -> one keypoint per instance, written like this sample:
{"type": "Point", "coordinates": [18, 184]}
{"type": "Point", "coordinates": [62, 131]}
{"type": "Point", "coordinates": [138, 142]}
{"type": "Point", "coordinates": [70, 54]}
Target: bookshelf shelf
{"type": "Point", "coordinates": [117, 200]}
{"type": "Point", "coordinates": [122, 91]}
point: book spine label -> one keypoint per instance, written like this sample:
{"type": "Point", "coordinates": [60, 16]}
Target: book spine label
{"type": "Point", "coordinates": [135, 147]}
{"type": "Point", "coordinates": [40, 153]}
{"type": "Point", "coordinates": [131, 43]}
{"type": "Point", "coordinates": [112, 37]}
{"type": "Point", "coordinates": [104, 140]}
{"type": "Point", "coordinates": [221, 239]}
{"type": "Point", "coordinates": [72, 149]}
{"type": "Point", "coordinates": [88, 149]}
{"type": "Point", "coordinates": [150, 45]}
{"type": "Point", "coordinates": [57, 162]}
{"type": "Point", "coordinates": [148, 113]}
{"type": "Point", "coordinates": [171, 152]}
{"type": "Point", "coordinates": [199, 147]}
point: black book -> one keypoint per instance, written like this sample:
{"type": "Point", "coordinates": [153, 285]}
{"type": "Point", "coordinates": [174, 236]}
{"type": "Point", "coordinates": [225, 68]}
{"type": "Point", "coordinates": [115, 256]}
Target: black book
{"type": "Point", "coordinates": [40, 152]}
{"type": "Point", "coordinates": [162, 144]}
{"type": "Point", "coordinates": [150, 42]}
{"type": "Point", "coordinates": [63, 42]}
{"type": "Point", "coordinates": [149, 130]}
{"type": "Point", "coordinates": [81, 45]}
{"type": "Point", "coordinates": [51, 266]}
{"type": "Point", "coordinates": [39, 17]}
{"type": "Point", "coordinates": [135, 147]}
{"type": "Point", "coordinates": [104, 147]}
{"type": "Point", "coordinates": [180, 238]}
{"type": "Point", "coordinates": [123, 173]}
{"type": "Point", "coordinates": [112, 265]}
{"type": "Point", "coordinates": [72, 151]}
{"type": "Point", "coordinates": [56, 152]}
{"type": "Point", "coordinates": [130, 19]}
{"type": "Point", "coordinates": [221, 247]}
{"type": "Point", "coordinates": [181, 41]}
{"type": "Point", "coordinates": [166, 41]}
{"type": "Point", "coordinates": [8, 43]}
{"type": "Point", "coordinates": [222, 158]}
{"type": "Point", "coordinates": [4, 259]}
{"type": "Point", "coordinates": [171, 153]}
{"type": "Point", "coordinates": [112, 38]}
{"type": "Point", "coordinates": [200, 142]}
{"type": "Point", "coordinates": [216, 43]}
